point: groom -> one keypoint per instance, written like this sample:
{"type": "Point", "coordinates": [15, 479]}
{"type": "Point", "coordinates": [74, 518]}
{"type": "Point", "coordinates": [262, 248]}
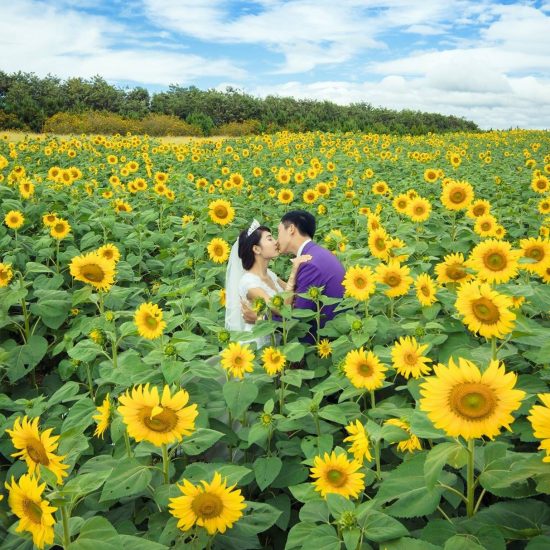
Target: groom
{"type": "Point", "coordinates": [295, 234]}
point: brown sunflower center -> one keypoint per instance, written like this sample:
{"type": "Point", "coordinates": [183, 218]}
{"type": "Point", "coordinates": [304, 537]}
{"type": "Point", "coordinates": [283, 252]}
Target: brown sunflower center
{"type": "Point", "coordinates": [364, 369]}
{"type": "Point", "coordinates": [32, 511]}
{"type": "Point", "coordinates": [238, 361]}
{"type": "Point", "coordinates": [495, 261]}
{"type": "Point", "coordinates": [410, 358]}
{"type": "Point", "coordinates": [419, 209]}
{"type": "Point", "coordinates": [336, 478]}
{"type": "Point", "coordinates": [92, 272]}
{"type": "Point", "coordinates": [59, 227]}
{"type": "Point", "coordinates": [151, 322]}
{"type": "Point", "coordinates": [221, 211]}
{"type": "Point", "coordinates": [218, 250]}
{"type": "Point", "coordinates": [360, 283]}
{"type": "Point", "coordinates": [425, 291]}
{"type": "Point", "coordinates": [402, 204]}
{"type": "Point", "coordinates": [37, 452]}
{"type": "Point", "coordinates": [486, 226]}
{"type": "Point", "coordinates": [479, 210]}
{"type": "Point", "coordinates": [485, 310]}
{"type": "Point", "coordinates": [535, 253]}
{"type": "Point", "coordinates": [541, 184]}
{"type": "Point", "coordinates": [472, 400]}
{"type": "Point", "coordinates": [392, 279]}
{"type": "Point", "coordinates": [3, 275]}
{"type": "Point", "coordinates": [456, 272]}
{"type": "Point", "coordinates": [380, 243]}
{"type": "Point", "coordinates": [207, 506]}
{"type": "Point", "coordinates": [108, 254]}
{"type": "Point", "coordinates": [457, 196]}
{"type": "Point", "coordinates": [164, 421]}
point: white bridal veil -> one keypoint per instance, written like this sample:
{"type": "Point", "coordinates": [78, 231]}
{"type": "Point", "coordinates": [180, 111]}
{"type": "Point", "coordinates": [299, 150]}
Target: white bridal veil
{"type": "Point", "coordinates": [233, 316]}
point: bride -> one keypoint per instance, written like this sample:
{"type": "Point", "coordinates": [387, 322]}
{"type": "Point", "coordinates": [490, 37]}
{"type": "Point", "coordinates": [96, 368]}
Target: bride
{"type": "Point", "coordinates": [248, 277]}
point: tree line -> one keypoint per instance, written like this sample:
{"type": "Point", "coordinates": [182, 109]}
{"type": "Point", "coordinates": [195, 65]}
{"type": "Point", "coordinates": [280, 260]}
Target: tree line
{"type": "Point", "coordinates": [31, 103]}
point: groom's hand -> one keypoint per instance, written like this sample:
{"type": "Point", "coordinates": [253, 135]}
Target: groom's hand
{"type": "Point", "coordinates": [249, 315]}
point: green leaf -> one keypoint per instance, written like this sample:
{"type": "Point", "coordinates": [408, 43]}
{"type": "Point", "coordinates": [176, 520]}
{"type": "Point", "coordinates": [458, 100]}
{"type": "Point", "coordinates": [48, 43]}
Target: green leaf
{"type": "Point", "coordinates": [80, 415]}
{"type": "Point", "coordinates": [96, 533]}
{"type": "Point", "coordinates": [443, 453]}
{"type": "Point", "coordinates": [293, 352]}
{"type": "Point", "coordinates": [130, 477]}
{"type": "Point", "coordinates": [85, 350]}
{"type": "Point", "coordinates": [138, 543]}
{"type": "Point", "coordinates": [53, 306]}
{"type": "Point", "coordinates": [337, 504]}
{"type": "Point", "coordinates": [24, 358]}
{"type": "Point", "coordinates": [380, 527]}
{"type": "Point", "coordinates": [266, 470]}
{"type": "Point", "coordinates": [200, 440]}
{"type": "Point", "coordinates": [299, 535]}
{"type": "Point", "coordinates": [323, 537]}
{"type": "Point", "coordinates": [463, 542]}
{"type": "Point", "coordinates": [239, 395]}
{"type": "Point", "coordinates": [258, 518]}
{"type": "Point", "coordinates": [201, 470]}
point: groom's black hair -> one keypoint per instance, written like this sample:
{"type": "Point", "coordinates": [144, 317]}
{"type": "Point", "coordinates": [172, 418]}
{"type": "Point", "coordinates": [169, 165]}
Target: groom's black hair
{"type": "Point", "coordinates": [246, 242]}
{"type": "Point", "coordinates": [304, 222]}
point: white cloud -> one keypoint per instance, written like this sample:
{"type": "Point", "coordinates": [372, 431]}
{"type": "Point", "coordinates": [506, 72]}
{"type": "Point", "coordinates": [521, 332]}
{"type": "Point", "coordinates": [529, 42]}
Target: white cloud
{"type": "Point", "coordinates": [38, 37]}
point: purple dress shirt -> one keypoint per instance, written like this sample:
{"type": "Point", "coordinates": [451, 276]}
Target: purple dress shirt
{"type": "Point", "coordinates": [323, 270]}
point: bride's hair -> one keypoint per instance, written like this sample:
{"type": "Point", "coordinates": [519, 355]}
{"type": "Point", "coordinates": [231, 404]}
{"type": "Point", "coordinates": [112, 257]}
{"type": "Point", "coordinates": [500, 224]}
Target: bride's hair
{"type": "Point", "coordinates": [246, 242]}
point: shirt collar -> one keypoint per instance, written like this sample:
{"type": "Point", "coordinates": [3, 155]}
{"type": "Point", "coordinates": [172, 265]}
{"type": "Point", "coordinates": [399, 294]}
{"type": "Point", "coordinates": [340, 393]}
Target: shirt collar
{"type": "Point", "coordinates": [301, 249]}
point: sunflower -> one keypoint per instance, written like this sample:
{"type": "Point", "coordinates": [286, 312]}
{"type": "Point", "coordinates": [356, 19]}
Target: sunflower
{"type": "Point", "coordinates": [237, 359]}
{"type": "Point", "coordinates": [359, 441]}
{"type": "Point", "coordinates": [455, 160]}
{"type": "Point", "coordinates": [221, 212]}
{"type": "Point", "coordinates": [486, 225]}
{"type": "Point", "coordinates": [285, 196]}
{"type": "Point", "coordinates": [426, 288]}
{"type": "Point", "coordinates": [364, 369]}
{"type": "Point", "coordinates": [60, 229]}
{"type": "Point", "coordinates": [218, 250]}
{"type": "Point", "coordinates": [161, 421]}
{"type": "Point", "coordinates": [478, 208]}
{"type": "Point", "coordinates": [273, 361]}
{"type": "Point", "coordinates": [452, 270]}
{"type": "Point", "coordinates": [373, 221]}
{"type": "Point", "coordinates": [109, 252]}
{"type": "Point", "coordinates": [324, 349]}
{"type": "Point", "coordinates": [35, 513]}
{"type": "Point", "coordinates": [26, 189]}
{"type": "Point", "coordinates": [222, 297]}
{"type": "Point", "coordinates": [37, 449]}
{"type": "Point", "coordinates": [408, 445]}
{"type": "Point", "coordinates": [379, 243]}
{"type": "Point", "coordinates": [396, 276]}
{"type": "Point", "coordinates": [310, 196]}
{"type": "Point", "coordinates": [102, 417]}
{"type": "Point", "coordinates": [93, 269]}
{"type": "Point", "coordinates": [6, 274]}
{"type": "Point", "coordinates": [359, 282]}
{"type": "Point", "coordinates": [431, 175]}
{"type": "Point", "coordinates": [14, 219]}
{"type": "Point", "coordinates": [464, 402]}
{"type": "Point", "coordinates": [540, 184]}
{"type": "Point", "coordinates": [148, 318]}
{"type": "Point", "coordinates": [408, 359]}
{"type": "Point", "coordinates": [539, 416]}
{"type": "Point", "coordinates": [537, 250]}
{"type": "Point", "coordinates": [457, 195]}
{"type": "Point", "coordinates": [494, 261]}
{"type": "Point", "coordinates": [213, 505]}
{"type": "Point", "coordinates": [400, 203]}
{"type": "Point", "coordinates": [485, 311]}
{"type": "Point", "coordinates": [122, 206]}
{"type": "Point", "coordinates": [49, 219]}
{"type": "Point", "coordinates": [334, 473]}
{"type": "Point", "coordinates": [544, 206]}
{"type": "Point", "coordinates": [419, 209]}
{"type": "Point", "coordinates": [380, 188]}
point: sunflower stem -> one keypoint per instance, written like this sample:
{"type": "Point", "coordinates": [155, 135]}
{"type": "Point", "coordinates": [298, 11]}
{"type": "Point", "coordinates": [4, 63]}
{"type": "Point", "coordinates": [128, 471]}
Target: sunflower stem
{"type": "Point", "coordinates": [281, 394]}
{"type": "Point", "coordinates": [165, 464]}
{"type": "Point", "coordinates": [372, 400]}
{"type": "Point", "coordinates": [377, 459]}
{"type": "Point", "coordinates": [318, 428]}
{"type": "Point", "coordinates": [127, 443]}
{"type": "Point", "coordinates": [90, 382]}
{"type": "Point", "coordinates": [470, 486]}
{"type": "Point", "coordinates": [66, 532]}
{"type": "Point", "coordinates": [57, 256]}
{"type": "Point", "coordinates": [494, 348]}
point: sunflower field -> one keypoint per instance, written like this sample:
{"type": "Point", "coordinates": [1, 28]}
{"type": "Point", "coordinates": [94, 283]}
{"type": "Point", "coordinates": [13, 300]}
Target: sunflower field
{"type": "Point", "coordinates": [418, 419]}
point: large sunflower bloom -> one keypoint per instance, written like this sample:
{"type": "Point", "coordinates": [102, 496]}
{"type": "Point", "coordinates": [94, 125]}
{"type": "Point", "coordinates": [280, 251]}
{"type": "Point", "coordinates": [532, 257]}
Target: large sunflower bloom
{"type": "Point", "coordinates": [237, 359]}
{"type": "Point", "coordinates": [539, 416]}
{"type": "Point", "coordinates": [426, 288]}
{"type": "Point", "coordinates": [537, 250]}
{"type": "Point", "coordinates": [35, 514]}
{"type": "Point", "coordinates": [408, 359]}
{"type": "Point", "coordinates": [273, 361]}
{"type": "Point", "coordinates": [213, 506]}
{"type": "Point", "coordinates": [364, 369]}
{"type": "Point", "coordinates": [485, 311]}
{"type": "Point", "coordinates": [221, 212]}
{"type": "Point", "coordinates": [218, 250]}
{"type": "Point", "coordinates": [419, 209]}
{"type": "Point", "coordinates": [14, 219]}
{"type": "Point", "coordinates": [360, 445]}
{"type": "Point", "coordinates": [336, 474]}
{"type": "Point", "coordinates": [93, 269]}
{"type": "Point", "coordinates": [148, 318]}
{"type": "Point", "coordinates": [379, 243]}
{"type": "Point", "coordinates": [163, 420]}
{"type": "Point", "coordinates": [494, 261]}
{"type": "Point", "coordinates": [359, 282]}
{"type": "Point", "coordinates": [396, 276]}
{"type": "Point", "coordinates": [60, 229]}
{"type": "Point", "coordinates": [463, 401]}
{"type": "Point", "coordinates": [37, 449]}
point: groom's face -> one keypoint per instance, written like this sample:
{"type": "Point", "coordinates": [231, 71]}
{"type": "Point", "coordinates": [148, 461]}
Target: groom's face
{"type": "Point", "coordinates": [283, 238]}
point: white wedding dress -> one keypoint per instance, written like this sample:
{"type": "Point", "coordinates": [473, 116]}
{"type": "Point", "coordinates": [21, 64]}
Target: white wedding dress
{"type": "Point", "coordinates": [250, 280]}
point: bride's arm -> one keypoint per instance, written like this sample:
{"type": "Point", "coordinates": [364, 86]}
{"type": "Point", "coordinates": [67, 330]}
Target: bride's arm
{"type": "Point", "coordinates": [296, 263]}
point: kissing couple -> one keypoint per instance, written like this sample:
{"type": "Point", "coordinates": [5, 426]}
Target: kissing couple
{"type": "Point", "coordinates": [248, 276]}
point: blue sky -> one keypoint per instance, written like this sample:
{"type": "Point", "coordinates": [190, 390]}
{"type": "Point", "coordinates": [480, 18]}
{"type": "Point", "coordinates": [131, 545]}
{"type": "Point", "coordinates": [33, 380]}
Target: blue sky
{"type": "Point", "coordinates": [485, 60]}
